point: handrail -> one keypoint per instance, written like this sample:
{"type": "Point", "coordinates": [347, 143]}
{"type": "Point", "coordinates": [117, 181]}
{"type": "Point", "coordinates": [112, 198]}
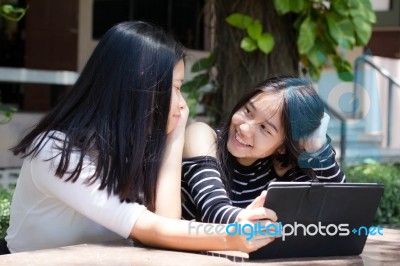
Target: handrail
{"type": "Point", "coordinates": [343, 129]}
{"type": "Point", "coordinates": [392, 81]}
{"type": "Point", "coordinates": [384, 72]}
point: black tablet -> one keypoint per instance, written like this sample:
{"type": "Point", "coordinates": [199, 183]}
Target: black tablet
{"type": "Point", "coordinates": [321, 219]}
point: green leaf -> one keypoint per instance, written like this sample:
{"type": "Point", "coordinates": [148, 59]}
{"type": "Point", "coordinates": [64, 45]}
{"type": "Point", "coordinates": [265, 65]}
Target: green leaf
{"type": "Point", "coordinates": [307, 35]}
{"type": "Point", "coordinates": [282, 6]}
{"type": "Point", "coordinates": [364, 30]}
{"type": "Point", "coordinates": [204, 63]}
{"type": "Point", "coordinates": [357, 13]}
{"type": "Point", "coordinates": [343, 68]}
{"type": "Point", "coordinates": [239, 20]}
{"type": "Point", "coordinates": [255, 30]}
{"type": "Point", "coordinates": [346, 76]}
{"type": "Point", "coordinates": [346, 44]}
{"type": "Point", "coordinates": [248, 44]}
{"type": "Point", "coordinates": [192, 104]}
{"type": "Point", "coordinates": [266, 43]}
{"type": "Point", "coordinates": [7, 9]}
{"type": "Point", "coordinates": [194, 84]}
{"type": "Point", "coordinates": [19, 10]}
{"type": "Point", "coordinates": [187, 87]}
{"type": "Point", "coordinates": [340, 7]}
{"type": "Point", "coordinates": [362, 13]}
{"type": "Point", "coordinates": [333, 27]}
{"type": "Point", "coordinates": [347, 29]}
{"type": "Point", "coordinates": [326, 36]}
{"type": "Point", "coordinates": [316, 56]}
{"type": "Point", "coordinates": [370, 14]}
{"type": "Point", "coordinates": [12, 13]}
{"type": "Point", "coordinates": [353, 4]}
{"type": "Point", "coordinates": [297, 6]}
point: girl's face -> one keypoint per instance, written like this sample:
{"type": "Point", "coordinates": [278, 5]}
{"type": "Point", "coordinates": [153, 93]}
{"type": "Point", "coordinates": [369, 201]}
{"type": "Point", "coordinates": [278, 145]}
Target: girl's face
{"type": "Point", "coordinates": [256, 130]}
{"type": "Point", "coordinates": [177, 100]}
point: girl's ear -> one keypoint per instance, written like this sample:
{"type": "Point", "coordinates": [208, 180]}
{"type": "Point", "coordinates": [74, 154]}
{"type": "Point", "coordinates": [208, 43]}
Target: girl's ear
{"type": "Point", "coordinates": [281, 150]}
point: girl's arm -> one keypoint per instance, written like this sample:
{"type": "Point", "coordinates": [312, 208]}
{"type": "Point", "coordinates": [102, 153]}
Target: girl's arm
{"type": "Point", "coordinates": [168, 190]}
{"type": "Point", "coordinates": [151, 229]}
{"type": "Point", "coordinates": [204, 194]}
{"type": "Point", "coordinates": [324, 165]}
{"type": "Point", "coordinates": [131, 219]}
{"type": "Point", "coordinates": [320, 156]}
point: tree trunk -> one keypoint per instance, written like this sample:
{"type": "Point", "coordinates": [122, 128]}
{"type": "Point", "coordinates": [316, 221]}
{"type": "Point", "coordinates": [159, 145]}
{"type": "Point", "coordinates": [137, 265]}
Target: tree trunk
{"type": "Point", "coordinates": [239, 71]}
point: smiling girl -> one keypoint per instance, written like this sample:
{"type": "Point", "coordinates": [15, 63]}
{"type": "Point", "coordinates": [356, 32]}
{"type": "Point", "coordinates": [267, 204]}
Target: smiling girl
{"type": "Point", "coordinates": [275, 133]}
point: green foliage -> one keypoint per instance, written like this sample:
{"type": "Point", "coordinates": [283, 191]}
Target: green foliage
{"type": "Point", "coordinates": [12, 13]}
{"type": "Point", "coordinates": [5, 203]}
{"type": "Point", "coordinates": [6, 113]}
{"type": "Point", "coordinates": [389, 176]}
{"type": "Point", "coordinates": [325, 28]}
{"type": "Point", "coordinates": [255, 38]}
{"type": "Point", "coordinates": [202, 83]}
{"type": "Point", "coordinates": [15, 14]}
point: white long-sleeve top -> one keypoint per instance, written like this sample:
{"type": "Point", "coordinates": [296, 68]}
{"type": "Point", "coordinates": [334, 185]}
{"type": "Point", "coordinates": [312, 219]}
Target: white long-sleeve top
{"type": "Point", "coordinates": [47, 212]}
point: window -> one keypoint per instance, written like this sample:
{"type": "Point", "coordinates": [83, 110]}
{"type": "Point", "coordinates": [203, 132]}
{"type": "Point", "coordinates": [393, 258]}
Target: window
{"type": "Point", "coordinates": [183, 18]}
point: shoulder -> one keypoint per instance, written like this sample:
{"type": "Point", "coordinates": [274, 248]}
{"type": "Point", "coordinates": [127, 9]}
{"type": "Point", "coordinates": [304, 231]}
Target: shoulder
{"type": "Point", "coordinates": [200, 140]}
{"type": "Point", "coordinates": [48, 141]}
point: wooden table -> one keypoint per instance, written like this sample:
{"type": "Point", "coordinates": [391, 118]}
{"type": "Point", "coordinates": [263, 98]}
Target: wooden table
{"type": "Point", "coordinates": [379, 250]}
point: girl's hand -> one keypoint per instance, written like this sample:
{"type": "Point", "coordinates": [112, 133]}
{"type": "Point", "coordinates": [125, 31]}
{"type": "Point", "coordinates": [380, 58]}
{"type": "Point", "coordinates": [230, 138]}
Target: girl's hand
{"type": "Point", "coordinates": [179, 129]}
{"type": "Point", "coordinates": [252, 217]}
{"type": "Point", "coordinates": [250, 238]}
{"type": "Point", "coordinates": [316, 140]}
{"type": "Point", "coordinates": [255, 211]}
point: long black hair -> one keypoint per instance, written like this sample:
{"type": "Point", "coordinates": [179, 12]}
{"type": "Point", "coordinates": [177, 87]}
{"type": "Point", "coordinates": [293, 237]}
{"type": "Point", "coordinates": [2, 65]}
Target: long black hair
{"type": "Point", "coordinates": [302, 110]}
{"type": "Point", "coordinates": [118, 110]}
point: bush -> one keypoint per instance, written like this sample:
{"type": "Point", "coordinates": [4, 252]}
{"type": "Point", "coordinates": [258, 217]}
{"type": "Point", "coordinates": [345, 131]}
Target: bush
{"type": "Point", "coordinates": [387, 174]}
{"type": "Point", "coordinates": [5, 204]}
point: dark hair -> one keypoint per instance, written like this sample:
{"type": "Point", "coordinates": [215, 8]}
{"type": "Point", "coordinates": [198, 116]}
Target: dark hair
{"type": "Point", "coordinates": [302, 110]}
{"type": "Point", "coordinates": [118, 110]}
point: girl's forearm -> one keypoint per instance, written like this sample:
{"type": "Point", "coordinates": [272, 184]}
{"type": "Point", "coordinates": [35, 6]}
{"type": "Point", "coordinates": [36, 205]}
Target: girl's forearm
{"type": "Point", "coordinates": [153, 230]}
{"type": "Point", "coordinates": [168, 189]}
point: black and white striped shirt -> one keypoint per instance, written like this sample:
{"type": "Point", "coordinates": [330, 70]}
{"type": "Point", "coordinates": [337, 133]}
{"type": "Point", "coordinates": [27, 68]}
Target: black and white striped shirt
{"type": "Point", "coordinates": [205, 199]}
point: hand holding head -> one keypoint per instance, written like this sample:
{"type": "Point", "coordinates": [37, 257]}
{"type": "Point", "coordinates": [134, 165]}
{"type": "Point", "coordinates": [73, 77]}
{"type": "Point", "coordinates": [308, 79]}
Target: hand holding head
{"type": "Point", "coordinates": [316, 140]}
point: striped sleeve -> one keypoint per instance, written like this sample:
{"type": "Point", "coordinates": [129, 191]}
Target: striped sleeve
{"type": "Point", "coordinates": [204, 195]}
{"type": "Point", "coordinates": [324, 165]}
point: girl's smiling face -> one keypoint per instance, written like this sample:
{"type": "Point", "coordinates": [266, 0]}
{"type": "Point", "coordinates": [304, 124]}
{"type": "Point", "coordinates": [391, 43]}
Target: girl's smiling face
{"type": "Point", "coordinates": [256, 129]}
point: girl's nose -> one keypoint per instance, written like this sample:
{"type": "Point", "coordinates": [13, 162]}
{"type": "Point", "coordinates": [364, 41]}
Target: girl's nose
{"type": "Point", "coordinates": [246, 129]}
{"type": "Point", "coordinates": [182, 102]}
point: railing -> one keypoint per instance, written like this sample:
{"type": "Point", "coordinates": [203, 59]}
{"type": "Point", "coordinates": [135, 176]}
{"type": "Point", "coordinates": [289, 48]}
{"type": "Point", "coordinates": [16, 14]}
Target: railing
{"type": "Point", "coordinates": [392, 81]}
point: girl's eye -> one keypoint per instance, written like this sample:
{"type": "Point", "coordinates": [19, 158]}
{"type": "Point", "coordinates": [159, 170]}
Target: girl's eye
{"type": "Point", "coordinates": [246, 110]}
{"type": "Point", "coordinates": [265, 129]}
